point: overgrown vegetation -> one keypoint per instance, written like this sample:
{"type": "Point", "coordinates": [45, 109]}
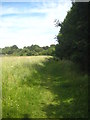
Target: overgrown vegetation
{"type": "Point", "coordinates": [40, 87]}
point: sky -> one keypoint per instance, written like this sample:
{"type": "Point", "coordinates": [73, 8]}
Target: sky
{"type": "Point", "coordinates": [31, 22]}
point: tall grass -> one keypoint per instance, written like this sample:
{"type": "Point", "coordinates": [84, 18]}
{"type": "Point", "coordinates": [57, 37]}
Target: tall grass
{"type": "Point", "coordinates": [40, 87]}
{"type": "Point", "coordinates": [0, 87]}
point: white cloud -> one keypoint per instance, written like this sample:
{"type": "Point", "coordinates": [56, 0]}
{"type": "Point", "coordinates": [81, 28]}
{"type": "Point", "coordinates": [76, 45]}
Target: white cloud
{"type": "Point", "coordinates": [27, 30]}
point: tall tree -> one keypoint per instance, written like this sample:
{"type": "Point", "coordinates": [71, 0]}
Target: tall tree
{"type": "Point", "coordinates": [73, 35]}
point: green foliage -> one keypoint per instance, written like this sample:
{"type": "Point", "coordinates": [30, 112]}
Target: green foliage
{"type": "Point", "coordinates": [9, 50]}
{"type": "Point", "coordinates": [0, 51]}
{"type": "Point", "coordinates": [73, 35]}
{"type": "Point", "coordinates": [32, 50]}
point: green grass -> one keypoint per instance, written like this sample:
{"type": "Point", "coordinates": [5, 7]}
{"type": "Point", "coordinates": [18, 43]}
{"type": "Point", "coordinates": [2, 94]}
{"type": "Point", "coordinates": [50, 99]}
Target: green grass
{"type": "Point", "coordinates": [39, 87]}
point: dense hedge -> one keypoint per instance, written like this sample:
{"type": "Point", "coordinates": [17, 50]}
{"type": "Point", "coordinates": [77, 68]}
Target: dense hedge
{"type": "Point", "coordinates": [73, 35]}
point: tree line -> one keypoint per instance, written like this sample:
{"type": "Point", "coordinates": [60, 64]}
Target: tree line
{"type": "Point", "coordinates": [32, 50]}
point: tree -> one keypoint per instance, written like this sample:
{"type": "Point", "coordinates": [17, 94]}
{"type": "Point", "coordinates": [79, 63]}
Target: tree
{"type": "Point", "coordinates": [32, 50]}
{"type": "Point", "coordinates": [73, 35]}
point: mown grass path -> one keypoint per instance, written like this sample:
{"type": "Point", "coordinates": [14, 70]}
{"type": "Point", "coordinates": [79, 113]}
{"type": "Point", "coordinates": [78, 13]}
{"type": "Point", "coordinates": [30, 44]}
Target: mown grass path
{"type": "Point", "coordinates": [40, 87]}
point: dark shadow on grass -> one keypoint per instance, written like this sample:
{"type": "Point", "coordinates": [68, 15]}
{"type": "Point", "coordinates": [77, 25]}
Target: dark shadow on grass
{"type": "Point", "coordinates": [26, 117]}
{"type": "Point", "coordinates": [72, 99]}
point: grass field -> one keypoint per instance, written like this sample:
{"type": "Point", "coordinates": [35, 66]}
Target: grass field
{"type": "Point", "coordinates": [40, 87]}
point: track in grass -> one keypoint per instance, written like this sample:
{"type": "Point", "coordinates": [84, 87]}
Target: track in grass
{"type": "Point", "coordinates": [40, 87]}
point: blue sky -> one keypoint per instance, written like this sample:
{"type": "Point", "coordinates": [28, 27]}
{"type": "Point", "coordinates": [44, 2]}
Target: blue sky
{"type": "Point", "coordinates": [27, 23]}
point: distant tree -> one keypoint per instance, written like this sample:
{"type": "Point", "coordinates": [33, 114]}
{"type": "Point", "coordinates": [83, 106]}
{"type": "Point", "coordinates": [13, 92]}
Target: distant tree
{"type": "Point", "coordinates": [45, 47]}
{"type": "Point", "coordinates": [7, 50]}
{"type": "Point", "coordinates": [32, 50]}
{"type": "Point", "coordinates": [14, 47]}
